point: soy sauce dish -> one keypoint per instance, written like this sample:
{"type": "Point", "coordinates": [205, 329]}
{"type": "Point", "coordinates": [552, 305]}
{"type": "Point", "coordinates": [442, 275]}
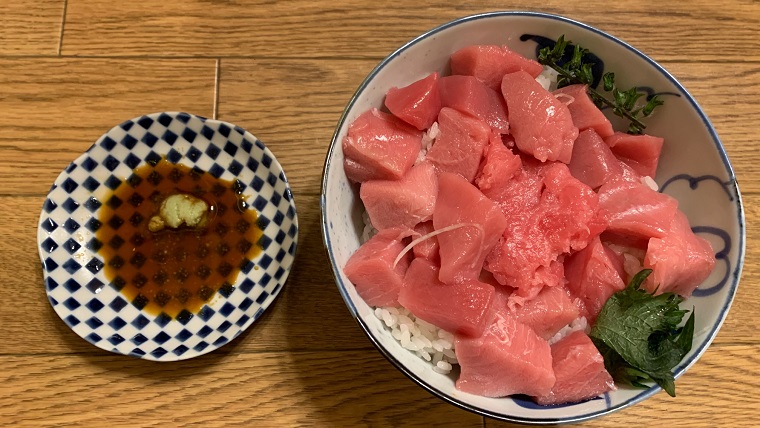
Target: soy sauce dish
{"type": "Point", "coordinates": [693, 168]}
{"type": "Point", "coordinates": [168, 237]}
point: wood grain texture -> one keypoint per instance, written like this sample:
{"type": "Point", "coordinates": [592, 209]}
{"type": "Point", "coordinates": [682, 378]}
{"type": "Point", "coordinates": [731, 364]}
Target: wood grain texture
{"type": "Point", "coordinates": [316, 388]}
{"type": "Point", "coordinates": [54, 109]}
{"type": "Point", "coordinates": [356, 28]}
{"type": "Point", "coordinates": [291, 105]}
{"type": "Point", "coordinates": [31, 27]}
{"type": "Point", "coordinates": [285, 71]}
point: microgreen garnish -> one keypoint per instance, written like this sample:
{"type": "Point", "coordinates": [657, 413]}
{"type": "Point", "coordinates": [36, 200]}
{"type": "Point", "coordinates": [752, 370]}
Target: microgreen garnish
{"type": "Point", "coordinates": [574, 70]}
{"type": "Point", "coordinates": [637, 333]}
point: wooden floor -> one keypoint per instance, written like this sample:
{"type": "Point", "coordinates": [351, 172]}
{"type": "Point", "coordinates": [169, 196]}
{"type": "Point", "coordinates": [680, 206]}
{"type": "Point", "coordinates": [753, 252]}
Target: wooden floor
{"type": "Point", "coordinates": [71, 69]}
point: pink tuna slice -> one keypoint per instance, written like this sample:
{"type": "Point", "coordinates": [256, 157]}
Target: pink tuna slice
{"type": "Point", "coordinates": [499, 164]}
{"type": "Point", "coordinates": [640, 152]}
{"type": "Point", "coordinates": [593, 275]}
{"type": "Point", "coordinates": [379, 146]}
{"type": "Point", "coordinates": [463, 308]}
{"type": "Point", "coordinates": [541, 124]}
{"type": "Point", "coordinates": [460, 143]}
{"type": "Point", "coordinates": [509, 358]}
{"type": "Point", "coordinates": [427, 249]}
{"type": "Point", "coordinates": [469, 95]}
{"type": "Point", "coordinates": [579, 369]}
{"type": "Point", "coordinates": [404, 202]}
{"type": "Point", "coordinates": [417, 104]}
{"type": "Point", "coordinates": [489, 63]}
{"type": "Point", "coordinates": [586, 115]}
{"type": "Point", "coordinates": [371, 269]}
{"type": "Point", "coordinates": [463, 250]}
{"type": "Point", "coordinates": [548, 312]}
{"type": "Point", "coordinates": [680, 261]}
{"type": "Point", "coordinates": [549, 213]}
{"type": "Point", "coordinates": [635, 211]}
{"type": "Point", "coordinates": [593, 162]}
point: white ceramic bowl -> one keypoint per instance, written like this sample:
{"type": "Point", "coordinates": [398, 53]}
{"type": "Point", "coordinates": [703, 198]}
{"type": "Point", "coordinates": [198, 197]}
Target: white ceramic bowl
{"type": "Point", "coordinates": [693, 168]}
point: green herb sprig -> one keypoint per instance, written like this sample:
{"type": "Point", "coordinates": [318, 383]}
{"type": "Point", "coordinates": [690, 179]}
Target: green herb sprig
{"type": "Point", "coordinates": [637, 333]}
{"type": "Point", "coordinates": [575, 70]}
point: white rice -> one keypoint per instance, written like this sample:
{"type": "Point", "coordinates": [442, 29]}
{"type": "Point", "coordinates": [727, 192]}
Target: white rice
{"type": "Point", "coordinates": [428, 138]}
{"type": "Point", "coordinates": [578, 324]}
{"type": "Point", "coordinates": [548, 78]}
{"type": "Point", "coordinates": [425, 340]}
{"type": "Point", "coordinates": [649, 181]}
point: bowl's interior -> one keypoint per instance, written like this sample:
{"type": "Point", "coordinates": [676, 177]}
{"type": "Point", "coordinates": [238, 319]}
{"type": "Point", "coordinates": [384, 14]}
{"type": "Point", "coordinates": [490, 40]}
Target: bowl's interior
{"type": "Point", "coordinates": [693, 168]}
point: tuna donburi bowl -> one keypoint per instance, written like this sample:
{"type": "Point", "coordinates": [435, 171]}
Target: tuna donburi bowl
{"type": "Point", "coordinates": [450, 289]}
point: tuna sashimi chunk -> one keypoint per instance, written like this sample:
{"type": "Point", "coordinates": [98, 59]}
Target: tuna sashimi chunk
{"type": "Point", "coordinates": [417, 104]}
{"type": "Point", "coordinates": [463, 250]}
{"type": "Point", "coordinates": [427, 249]}
{"type": "Point", "coordinates": [499, 165]}
{"type": "Point", "coordinates": [460, 143]}
{"type": "Point", "coordinates": [541, 124]}
{"type": "Point", "coordinates": [489, 63]}
{"type": "Point", "coordinates": [636, 211]}
{"type": "Point", "coordinates": [469, 95]}
{"type": "Point", "coordinates": [509, 358]}
{"type": "Point", "coordinates": [379, 146]}
{"type": "Point", "coordinates": [593, 162]}
{"type": "Point", "coordinates": [579, 369]}
{"type": "Point", "coordinates": [551, 310]}
{"type": "Point", "coordinates": [640, 152]}
{"type": "Point", "coordinates": [584, 112]}
{"type": "Point", "coordinates": [680, 261]}
{"type": "Point", "coordinates": [463, 308]}
{"type": "Point", "coordinates": [404, 202]}
{"type": "Point", "coordinates": [549, 213]}
{"type": "Point", "coordinates": [371, 269]}
{"type": "Point", "coordinates": [593, 275]}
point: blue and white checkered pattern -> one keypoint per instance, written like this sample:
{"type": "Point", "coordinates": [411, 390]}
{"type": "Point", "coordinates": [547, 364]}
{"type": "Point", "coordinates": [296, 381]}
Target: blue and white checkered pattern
{"type": "Point", "coordinates": [74, 279]}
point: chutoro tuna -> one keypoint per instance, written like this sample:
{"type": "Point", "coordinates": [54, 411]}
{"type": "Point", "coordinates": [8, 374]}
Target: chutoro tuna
{"type": "Point", "coordinates": [379, 146]}
{"type": "Point", "coordinates": [541, 124]}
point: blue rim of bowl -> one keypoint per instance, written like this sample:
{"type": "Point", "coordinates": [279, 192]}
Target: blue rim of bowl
{"type": "Point", "coordinates": [736, 274]}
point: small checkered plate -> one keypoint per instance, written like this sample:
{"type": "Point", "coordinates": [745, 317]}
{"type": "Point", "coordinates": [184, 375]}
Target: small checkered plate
{"type": "Point", "coordinates": [75, 280]}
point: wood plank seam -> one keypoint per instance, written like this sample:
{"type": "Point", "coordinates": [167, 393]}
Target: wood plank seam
{"type": "Point", "coordinates": [63, 23]}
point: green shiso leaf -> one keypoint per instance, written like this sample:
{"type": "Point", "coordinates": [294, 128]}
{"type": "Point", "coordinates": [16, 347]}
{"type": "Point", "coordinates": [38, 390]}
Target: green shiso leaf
{"type": "Point", "coordinates": [638, 335]}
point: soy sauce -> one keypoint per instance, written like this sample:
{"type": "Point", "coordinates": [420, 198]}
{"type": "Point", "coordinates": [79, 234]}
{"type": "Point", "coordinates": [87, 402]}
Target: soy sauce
{"type": "Point", "coordinates": [175, 271]}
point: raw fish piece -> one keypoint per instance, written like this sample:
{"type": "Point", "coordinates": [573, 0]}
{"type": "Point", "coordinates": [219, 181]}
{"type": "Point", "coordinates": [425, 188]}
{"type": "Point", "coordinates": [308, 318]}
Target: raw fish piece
{"type": "Point", "coordinates": [636, 211]}
{"type": "Point", "coordinates": [680, 260]}
{"type": "Point", "coordinates": [469, 95]}
{"type": "Point", "coordinates": [579, 369]}
{"type": "Point", "coordinates": [640, 152]}
{"type": "Point", "coordinates": [548, 312]}
{"type": "Point", "coordinates": [463, 308]}
{"type": "Point", "coordinates": [379, 146]}
{"type": "Point", "coordinates": [460, 143]}
{"type": "Point", "coordinates": [427, 249]}
{"type": "Point", "coordinates": [404, 202]}
{"type": "Point", "coordinates": [593, 162]}
{"type": "Point", "coordinates": [499, 164]}
{"type": "Point", "coordinates": [463, 250]}
{"type": "Point", "coordinates": [586, 115]}
{"type": "Point", "coordinates": [549, 213]}
{"type": "Point", "coordinates": [489, 63]}
{"type": "Point", "coordinates": [371, 269]}
{"type": "Point", "coordinates": [541, 125]}
{"type": "Point", "coordinates": [417, 104]}
{"type": "Point", "coordinates": [593, 275]}
{"type": "Point", "coordinates": [509, 358]}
